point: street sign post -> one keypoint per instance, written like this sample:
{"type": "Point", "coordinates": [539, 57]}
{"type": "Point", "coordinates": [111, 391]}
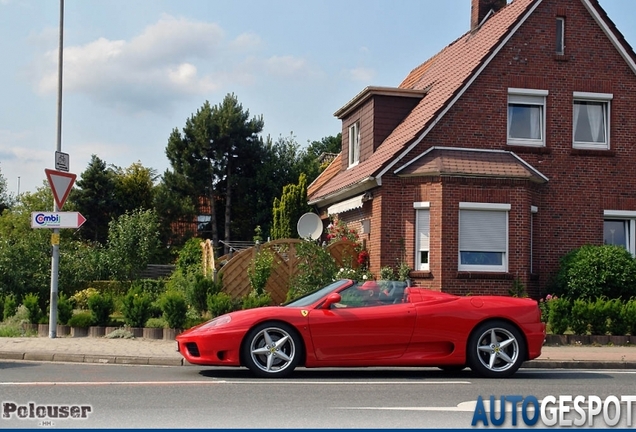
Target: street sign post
{"type": "Point", "coordinates": [57, 220]}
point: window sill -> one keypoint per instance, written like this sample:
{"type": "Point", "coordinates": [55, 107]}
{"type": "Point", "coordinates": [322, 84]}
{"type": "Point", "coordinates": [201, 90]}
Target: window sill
{"type": "Point", "coordinates": [588, 152]}
{"type": "Point", "coordinates": [529, 149]}
{"type": "Point", "coordinates": [421, 274]}
{"type": "Point", "coordinates": [561, 57]}
{"type": "Point", "coordinates": [484, 275]}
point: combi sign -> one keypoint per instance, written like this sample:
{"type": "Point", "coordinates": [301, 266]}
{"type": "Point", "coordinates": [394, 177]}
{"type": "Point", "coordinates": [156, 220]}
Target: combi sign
{"type": "Point", "coordinates": [57, 220]}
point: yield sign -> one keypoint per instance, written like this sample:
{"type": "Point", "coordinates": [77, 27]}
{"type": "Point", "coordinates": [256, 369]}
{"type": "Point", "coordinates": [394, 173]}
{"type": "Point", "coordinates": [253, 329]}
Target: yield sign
{"type": "Point", "coordinates": [61, 184]}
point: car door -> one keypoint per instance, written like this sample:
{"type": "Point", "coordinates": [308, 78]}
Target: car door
{"type": "Point", "coordinates": [359, 333]}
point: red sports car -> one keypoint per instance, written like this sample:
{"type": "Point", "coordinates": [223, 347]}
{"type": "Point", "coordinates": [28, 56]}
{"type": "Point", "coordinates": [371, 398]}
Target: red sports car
{"type": "Point", "coordinates": [351, 324]}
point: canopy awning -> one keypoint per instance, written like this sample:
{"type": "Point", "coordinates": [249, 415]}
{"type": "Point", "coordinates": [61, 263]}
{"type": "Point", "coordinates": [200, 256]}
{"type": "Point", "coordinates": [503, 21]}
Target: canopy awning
{"type": "Point", "coordinates": [346, 205]}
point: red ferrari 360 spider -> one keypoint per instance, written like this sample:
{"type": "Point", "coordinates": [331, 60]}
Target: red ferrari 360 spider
{"type": "Point", "coordinates": [351, 324]}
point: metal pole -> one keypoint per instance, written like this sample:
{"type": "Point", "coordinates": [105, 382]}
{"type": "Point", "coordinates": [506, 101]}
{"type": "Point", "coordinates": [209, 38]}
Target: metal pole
{"type": "Point", "coordinates": [55, 237]}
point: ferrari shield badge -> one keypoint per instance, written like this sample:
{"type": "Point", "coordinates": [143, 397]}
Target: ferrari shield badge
{"type": "Point", "coordinates": [304, 312]}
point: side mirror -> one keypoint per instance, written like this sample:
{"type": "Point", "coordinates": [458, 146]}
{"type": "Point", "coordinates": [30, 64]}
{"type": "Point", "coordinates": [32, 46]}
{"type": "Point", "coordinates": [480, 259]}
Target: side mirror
{"type": "Point", "coordinates": [331, 299]}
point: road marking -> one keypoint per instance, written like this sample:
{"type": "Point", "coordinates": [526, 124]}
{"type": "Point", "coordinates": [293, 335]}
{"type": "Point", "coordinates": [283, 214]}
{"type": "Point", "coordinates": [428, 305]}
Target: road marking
{"type": "Point", "coordinates": [214, 382]}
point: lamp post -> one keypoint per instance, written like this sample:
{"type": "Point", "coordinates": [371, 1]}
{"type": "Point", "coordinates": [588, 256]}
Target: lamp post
{"type": "Point", "coordinates": [55, 237]}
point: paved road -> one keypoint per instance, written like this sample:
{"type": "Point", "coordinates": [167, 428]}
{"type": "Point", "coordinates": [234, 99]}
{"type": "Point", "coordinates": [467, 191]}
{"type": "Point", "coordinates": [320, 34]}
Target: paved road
{"type": "Point", "coordinates": [125, 396]}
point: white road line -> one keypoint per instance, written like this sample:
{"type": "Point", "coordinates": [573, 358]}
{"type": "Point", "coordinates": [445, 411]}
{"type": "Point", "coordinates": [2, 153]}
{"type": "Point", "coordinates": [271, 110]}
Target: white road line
{"type": "Point", "coordinates": [214, 382]}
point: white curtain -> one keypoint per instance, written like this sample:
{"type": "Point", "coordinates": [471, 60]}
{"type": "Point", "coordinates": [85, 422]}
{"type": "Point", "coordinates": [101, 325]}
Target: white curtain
{"type": "Point", "coordinates": [595, 114]}
{"type": "Point", "coordinates": [535, 122]}
{"type": "Point", "coordinates": [577, 111]}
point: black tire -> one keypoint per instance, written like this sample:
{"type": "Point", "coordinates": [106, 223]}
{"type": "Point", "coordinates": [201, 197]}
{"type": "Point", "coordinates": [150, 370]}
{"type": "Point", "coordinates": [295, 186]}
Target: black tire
{"type": "Point", "coordinates": [496, 349]}
{"type": "Point", "coordinates": [272, 350]}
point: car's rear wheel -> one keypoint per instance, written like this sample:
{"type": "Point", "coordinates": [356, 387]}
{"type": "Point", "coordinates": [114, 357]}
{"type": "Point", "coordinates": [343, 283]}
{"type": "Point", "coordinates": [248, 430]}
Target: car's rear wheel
{"type": "Point", "coordinates": [496, 349]}
{"type": "Point", "coordinates": [272, 350]}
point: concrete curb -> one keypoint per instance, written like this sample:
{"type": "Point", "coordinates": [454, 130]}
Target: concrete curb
{"type": "Point", "coordinates": [93, 358]}
{"type": "Point", "coordinates": [171, 361]}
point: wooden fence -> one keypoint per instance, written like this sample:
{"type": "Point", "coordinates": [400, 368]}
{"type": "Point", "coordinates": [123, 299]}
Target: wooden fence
{"type": "Point", "coordinates": [234, 271]}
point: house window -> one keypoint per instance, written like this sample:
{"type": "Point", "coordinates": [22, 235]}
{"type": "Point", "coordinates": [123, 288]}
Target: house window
{"type": "Point", "coordinates": [483, 237]}
{"type": "Point", "coordinates": [422, 228]}
{"type": "Point", "coordinates": [354, 144]}
{"type": "Point", "coordinates": [560, 35]}
{"type": "Point", "coordinates": [619, 229]}
{"type": "Point", "coordinates": [591, 120]}
{"type": "Point", "coordinates": [526, 117]}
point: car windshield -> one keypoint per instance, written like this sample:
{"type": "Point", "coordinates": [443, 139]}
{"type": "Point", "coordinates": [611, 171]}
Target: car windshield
{"type": "Point", "coordinates": [312, 297]}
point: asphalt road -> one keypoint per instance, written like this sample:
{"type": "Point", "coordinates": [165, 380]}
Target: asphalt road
{"type": "Point", "coordinates": [121, 396]}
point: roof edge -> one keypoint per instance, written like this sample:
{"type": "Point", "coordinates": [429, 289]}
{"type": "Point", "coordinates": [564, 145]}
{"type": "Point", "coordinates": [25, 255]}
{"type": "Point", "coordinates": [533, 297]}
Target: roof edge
{"type": "Point", "coordinates": [371, 91]}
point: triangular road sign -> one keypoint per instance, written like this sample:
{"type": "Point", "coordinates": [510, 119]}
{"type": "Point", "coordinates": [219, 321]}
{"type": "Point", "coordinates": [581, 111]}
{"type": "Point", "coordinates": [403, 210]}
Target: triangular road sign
{"type": "Point", "coordinates": [61, 184]}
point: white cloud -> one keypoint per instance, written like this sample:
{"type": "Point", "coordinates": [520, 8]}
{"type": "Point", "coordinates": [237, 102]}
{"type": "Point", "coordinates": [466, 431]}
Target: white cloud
{"type": "Point", "coordinates": [149, 72]}
{"type": "Point", "coordinates": [361, 74]}
{"type": "Point", "coordinates": [169, 61]}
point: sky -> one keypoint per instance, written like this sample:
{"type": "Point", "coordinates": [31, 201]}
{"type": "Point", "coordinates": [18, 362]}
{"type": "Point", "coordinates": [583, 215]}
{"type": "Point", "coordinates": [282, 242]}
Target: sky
{"type": "Point", "coordinates": [134, 70]}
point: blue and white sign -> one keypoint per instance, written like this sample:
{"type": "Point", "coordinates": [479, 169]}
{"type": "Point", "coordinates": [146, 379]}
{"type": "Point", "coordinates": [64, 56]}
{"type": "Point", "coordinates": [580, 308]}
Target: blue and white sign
{"type": "Point", "coordinates": [57, 220]}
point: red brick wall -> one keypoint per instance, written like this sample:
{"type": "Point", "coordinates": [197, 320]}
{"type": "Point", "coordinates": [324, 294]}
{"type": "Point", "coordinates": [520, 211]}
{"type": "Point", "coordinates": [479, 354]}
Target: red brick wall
{"type": "Point", "coordinates": [581, 183]}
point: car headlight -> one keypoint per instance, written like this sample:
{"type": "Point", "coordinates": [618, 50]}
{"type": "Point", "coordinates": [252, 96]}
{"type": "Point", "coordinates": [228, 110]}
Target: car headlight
{"type": "Point", "coordinates": [218, 321]}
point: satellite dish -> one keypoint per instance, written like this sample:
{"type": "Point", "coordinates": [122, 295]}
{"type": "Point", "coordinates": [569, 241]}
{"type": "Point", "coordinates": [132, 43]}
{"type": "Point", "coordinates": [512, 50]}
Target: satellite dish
{"type": "Point", "coordinates": [309, 226]}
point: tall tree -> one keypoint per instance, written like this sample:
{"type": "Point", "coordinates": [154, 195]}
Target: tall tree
{"type": "Point", "coordinates": [135, 187]}
{"type": "Point", "coordinates": [217, 146]}
{"type": "Point", "coordinates": [95, 198]}
{"type": "Point", "coordinates": [289, 208]}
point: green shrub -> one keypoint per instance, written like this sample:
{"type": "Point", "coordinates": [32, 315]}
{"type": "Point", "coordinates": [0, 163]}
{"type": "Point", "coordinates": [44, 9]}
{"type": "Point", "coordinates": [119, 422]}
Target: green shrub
{"type": "Point", "coordinates": [80, 298]}
{"type": "Point", "coordinates": [220, 303]}
{"type": "Point", "coordinates": [174, 307]}
{"type": "Point", "coordinates": [156, 323]}
{"type": "Point", "coordinates": [81, 319]}
{"type": "Point", "coordinates": [101, 306]}
{"type": "Point", "coordinates": [10, 331]}
{"type": "Point", "coordinates": [316, 268]}
{"type": "Point", "coordinates": [32, 303]}
{"type": "Point", "coordinates": [630, 315]}
{"type": "Point", "coordinates": [64, 309]}
{"type": "Point", "coordinates": [10, 306]}
{"type": "Point", "coordinates": [260, 270]}
{"type": "Point", "coordinates": [1, 308]}
{"type": "Point", "coordinates": [136, 307]}
{"type": "Point", "coordinates": [618, 321]}
{"type": "Point", "coordinates": [387, 273]}
{"type": "Point", "coordinates": [580, 321]}
{"type": "Point", "coordinates": [154, 288]}
{"type": "Point", "coordinates": [594, 271]}
{"type": "Point", "coordinates": [254, 300]}
{"type": "Point", "coordinates": [558, 314]}
{"type": "Point", "coordinates": [197, 291]}
{"type": "Point", "coordinates": [598, 316]}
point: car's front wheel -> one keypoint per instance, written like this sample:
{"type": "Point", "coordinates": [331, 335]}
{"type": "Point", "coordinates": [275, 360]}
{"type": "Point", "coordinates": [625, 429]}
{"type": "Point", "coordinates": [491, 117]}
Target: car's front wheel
{"type": "Point", "coordinates": [496, 349]}
{"type": "Point", "coordinates": [272, 350]}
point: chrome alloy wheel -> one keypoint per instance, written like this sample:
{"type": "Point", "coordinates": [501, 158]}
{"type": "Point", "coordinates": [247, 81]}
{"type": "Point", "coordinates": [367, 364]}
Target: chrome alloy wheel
{"type": "Point", "coordinates": [272, 350]}
{"type": "Point", "coordinates": [497, 349]}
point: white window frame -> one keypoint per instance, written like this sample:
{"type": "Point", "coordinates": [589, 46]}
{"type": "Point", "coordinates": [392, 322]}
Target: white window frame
{"type": "Point", "coordinates": [422, 234]}
{"type": "Point", "coordinates": [354, 144]}
{"type": "Point", "coordinates": [487, 232]}
{"type": "Point", "coordinates": [530, 98]}
{"type": "Point", "coordinates": [560, 38]}
{"type": "Point", "coordinates": [533, 211]}
{"type": "Point", "coordinates": [602, 98]}
{"type": "Point", "coordinates": [629, 218]}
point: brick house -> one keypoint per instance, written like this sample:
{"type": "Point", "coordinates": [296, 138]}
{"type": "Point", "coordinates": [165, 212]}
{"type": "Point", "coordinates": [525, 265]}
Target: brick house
{"type": "Point", "coordinates": [491, 160]}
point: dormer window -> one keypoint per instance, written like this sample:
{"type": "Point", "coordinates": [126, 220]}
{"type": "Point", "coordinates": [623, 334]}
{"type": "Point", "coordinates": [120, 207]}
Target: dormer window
{"type": "Point", "coordinates": [560, 35]}
{"type": "Point", "coordinates": [354, 144]}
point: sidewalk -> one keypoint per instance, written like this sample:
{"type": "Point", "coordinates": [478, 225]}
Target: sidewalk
{"type": "Point", "coordinates": [163, 352]}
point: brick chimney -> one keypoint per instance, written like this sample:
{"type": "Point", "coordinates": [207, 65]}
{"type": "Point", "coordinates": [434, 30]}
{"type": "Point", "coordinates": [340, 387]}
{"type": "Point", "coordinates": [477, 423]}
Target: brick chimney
{"type": "Point", "coordinates": [480, 8]}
